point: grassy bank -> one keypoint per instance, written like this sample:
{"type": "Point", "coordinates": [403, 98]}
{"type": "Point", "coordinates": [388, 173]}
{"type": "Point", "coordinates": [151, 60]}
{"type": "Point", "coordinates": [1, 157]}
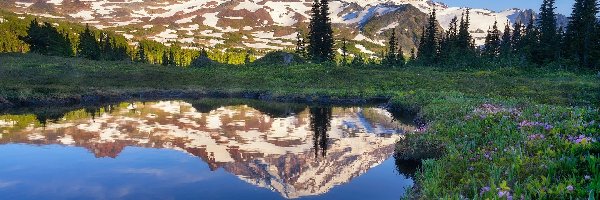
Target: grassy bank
{"type": "Point", "coordinates": [493, 133]}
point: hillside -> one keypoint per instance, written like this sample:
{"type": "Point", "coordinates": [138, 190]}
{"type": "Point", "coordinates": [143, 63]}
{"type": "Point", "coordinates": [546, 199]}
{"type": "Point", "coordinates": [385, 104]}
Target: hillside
{"type": "Point", "coordinates": [266, 24]}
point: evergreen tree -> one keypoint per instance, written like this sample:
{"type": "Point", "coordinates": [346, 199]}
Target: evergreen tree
{"type": "Point", "coordinates": [321, 41]}
{"type": "Point", "coordinates": [400, 60]}
{"type": "Point", "coordinates": [548, 47]}
{"type": "Point", "coordinates": [88, 46]}
{"type": "Point", "coordinates": [492, 42]}
{"type": "Point", "coordinates": [172, 59]}
{"type": "Point", "coordinates": [582, 36]}
{"type": "Point", "coordinates": [448, 44]}
{"type": "Point", "coordinates": [358, 61]}
{"type": "Point", "coordinates": [516, 42]}
{"type": "Point", "coordinates": [506, 45]}
{"type": "Point", "coordinates": [464, 40]}
{"type": "Point", "coordinates": [328, 41]}
{"type": "Point", "coordinates": [165, 59]}
{"type": "Point", "coordinates": [107, 47]}
{"type": "Point", "coordinates": [141, 54]}
{"type": "Point", "coordinates": [391, 56]}
{"type": "Point", "coordinates": [413, 55]}
{"type": "Point", "coordinates": [300, 49]}
{"type": "Point", "coordinates": [315, 34]}
{"type": "Point", "coordinates": [47, 40]}
{"type": "Point", "coordinates": [344, 52]}
{"type": "Point", "coordinates": [429, 51]}
{"type": "Point", "coordinates": [530, 41]}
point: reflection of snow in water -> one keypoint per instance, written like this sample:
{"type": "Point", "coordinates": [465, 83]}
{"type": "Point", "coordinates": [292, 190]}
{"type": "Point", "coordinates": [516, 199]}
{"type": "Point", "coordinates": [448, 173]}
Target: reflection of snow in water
{"type": "Point", "coordinates": [275, 153]}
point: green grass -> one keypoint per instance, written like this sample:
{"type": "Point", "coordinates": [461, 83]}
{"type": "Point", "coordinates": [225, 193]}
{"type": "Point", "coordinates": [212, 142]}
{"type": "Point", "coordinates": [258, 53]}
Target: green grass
{"type": "Point", "coordinates": [477, 136]}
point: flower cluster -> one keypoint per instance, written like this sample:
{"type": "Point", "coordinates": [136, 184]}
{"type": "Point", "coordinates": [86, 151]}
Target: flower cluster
{"type": "Point", "coordinates": [537, 136]}
{"type": "Point", "coordinates": [526, 123]}
{"type": "Point", "coordinates": [581, 139]}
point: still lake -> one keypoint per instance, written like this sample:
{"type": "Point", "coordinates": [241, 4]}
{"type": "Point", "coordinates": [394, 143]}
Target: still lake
{"type": "Point", "coordinates": [202, 149]}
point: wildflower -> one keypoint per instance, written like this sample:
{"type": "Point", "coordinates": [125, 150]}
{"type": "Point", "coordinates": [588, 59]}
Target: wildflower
{"type": "Point", "coordinates": [484, 190]}
{"type": "Point", "coordinates": [537, 115]}
{"type": "Point", "coordinates": [471, 168]}
{"type": "Point", "coordinates": [502, 193]}
{"type": "Point", "coordinates": [570, 188]}
{"type": "Point", "coordinates": [548, 127]}
{"type": "Point", "coordinates": [587, 177]}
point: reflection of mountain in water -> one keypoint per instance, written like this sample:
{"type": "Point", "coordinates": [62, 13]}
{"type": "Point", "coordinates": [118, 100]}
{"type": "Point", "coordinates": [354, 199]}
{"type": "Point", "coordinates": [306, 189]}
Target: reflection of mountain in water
{"type": "Point", "coordinates": [296, 155]}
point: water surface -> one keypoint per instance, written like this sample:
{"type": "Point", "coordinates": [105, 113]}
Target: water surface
{"type": "Point", "coordinates": [203, 149]}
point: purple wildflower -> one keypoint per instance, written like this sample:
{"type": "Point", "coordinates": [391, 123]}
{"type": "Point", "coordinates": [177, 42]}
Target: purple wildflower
{"type": "Point", "coordinates": [537, 115]}
{"type": "Point", "coordinates": [587, 177]}
{"type": "Point", "coordinates": [570, 188]}
{"type": "Point", "coordinates": [502, 193]}
{"type": "Point", "coordinates": [484, 190]}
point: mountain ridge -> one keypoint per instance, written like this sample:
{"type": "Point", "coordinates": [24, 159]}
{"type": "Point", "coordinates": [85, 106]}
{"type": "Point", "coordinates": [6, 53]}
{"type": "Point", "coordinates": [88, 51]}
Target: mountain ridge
{"type": "Point", "coordinates": [260, 24]}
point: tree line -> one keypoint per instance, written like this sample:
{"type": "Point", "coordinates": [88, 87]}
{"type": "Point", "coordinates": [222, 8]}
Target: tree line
{"type": "Point", "coordinates": [539, 42]}
{"type": "Point", "coordinates": [56, 38]}
{"type": "Point", "coordinates": [536, 41]}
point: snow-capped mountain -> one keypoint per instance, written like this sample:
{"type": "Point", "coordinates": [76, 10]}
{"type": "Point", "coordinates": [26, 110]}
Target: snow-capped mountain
{"type": "Point", "coordinates": [260, 24]}
{"type": "Point", "coordinates": [274, 152]}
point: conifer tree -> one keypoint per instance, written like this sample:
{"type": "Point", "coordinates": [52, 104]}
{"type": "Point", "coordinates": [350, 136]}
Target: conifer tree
{"type": "Point", "coordinates": [328, 40]}
{"type": "Point", "coordinates": [172, 59]}
{"type": "Point", "coordinates": [300, 49]}
{"type": "Point", "coordinates": [358, 61]}
{"type": "Point", "coordinates": [429, 51]}
{"type": "Point", "coordinates": [464, 40]}
{"type": "Point", "coordinates": [492, 42]}
{"type": "Point", "coordinates": [506, 43]}
{"type": "Point", "coordinates": [548, 47]}
{"type": "Point", "coordinates": [530, 41]}
{"type": "Point", "coordinates": [400, 60]}
{"type": "Point", "coordinates": [517, 35]}
{"type": "Point", "coordinates": [321, 40]}
{"type": "Point", "coordinates": [391, 56]}
{"type": "Point", "coordinates": [315, 34]}
{"type": "Point", "coordinates": [165, 59]}
{"type": "Point", "coordinates": [413, 55]}
{"type": "Point", "coordinates": [88, 46]}
{"type": "Point", "coordinates": [582, 37]}
{"type": "Point", "coordinates": [344, 52]}
{"type": "Point", "coordinates": [141, 54]}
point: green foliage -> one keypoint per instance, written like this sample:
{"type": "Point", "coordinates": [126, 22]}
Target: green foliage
{"type": "Point", "coordinates": [320, 46]}
{"type": "Point", "coordinates": [47, 40]}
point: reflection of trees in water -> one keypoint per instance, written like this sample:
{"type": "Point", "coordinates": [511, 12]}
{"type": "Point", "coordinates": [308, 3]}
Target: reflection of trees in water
{"type": "Point", "coordinates": [407, 168]}
{"type": "Point", "coordinates": [320, 121]}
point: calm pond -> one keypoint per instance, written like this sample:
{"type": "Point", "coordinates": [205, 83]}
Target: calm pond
{"type": "Point", "coordinates": [202, 149]}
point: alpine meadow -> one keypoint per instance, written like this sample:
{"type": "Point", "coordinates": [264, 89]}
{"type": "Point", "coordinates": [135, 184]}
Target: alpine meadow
{"type": "Point", "coordinates": [299, 99]}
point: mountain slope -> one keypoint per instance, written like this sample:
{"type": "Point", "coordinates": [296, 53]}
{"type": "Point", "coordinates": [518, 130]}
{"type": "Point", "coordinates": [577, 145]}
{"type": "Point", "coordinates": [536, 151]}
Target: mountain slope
{"type": "Point", "coordinates": [260, 24]}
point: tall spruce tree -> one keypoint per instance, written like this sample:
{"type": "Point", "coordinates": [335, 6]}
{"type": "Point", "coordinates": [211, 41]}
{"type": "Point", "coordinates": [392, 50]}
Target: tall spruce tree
{"type": "Point", "coordinates": [464, 40]}
{"type": "Point", "coordinates": [300, 49]}
{"type": "Point", "coordinates": [88, 46]}
{"type": "Point", "coordinates": [506, 43]}
{"type": "Point", "coordinates": [582, 37]}
{"type": "Point", "coordinates": [344, 52]}
{"type": "Point", "coordinates": [492, 42]}
{"type": "Point", "coordinates": [548, 47]}
{"type": "Point", "coordinates": [391, 57]}
{"type": "Point", "coordinates": [141, 54]}
{"type": "Point", "coordinates": [516, 40]}
{"type": "Point", "coordinates": [165, 59]}
{"type": "Point", "coordinates": [530, 41]}
{"type": "Point", "coordinates": [328, 41]}
{"type": "Point", "coordinates": [429, 50]}
{"type": "Point", "coordinates": [320, 48]}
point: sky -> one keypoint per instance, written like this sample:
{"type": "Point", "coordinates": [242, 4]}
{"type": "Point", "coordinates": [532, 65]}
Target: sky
{"type": "Point", "coordinates": [563, 6]}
